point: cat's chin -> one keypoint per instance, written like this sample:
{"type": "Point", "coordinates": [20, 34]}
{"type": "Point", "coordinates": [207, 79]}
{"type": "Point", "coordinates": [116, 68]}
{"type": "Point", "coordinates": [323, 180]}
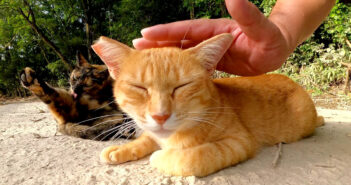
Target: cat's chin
{"type": "Point", "coordinates": [162, 133]}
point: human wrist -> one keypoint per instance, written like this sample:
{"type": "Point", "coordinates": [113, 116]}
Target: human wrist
{"type": "Point", "coordinates": [298, 19]}
{"type": "Point", "coordinates": [291, 39]}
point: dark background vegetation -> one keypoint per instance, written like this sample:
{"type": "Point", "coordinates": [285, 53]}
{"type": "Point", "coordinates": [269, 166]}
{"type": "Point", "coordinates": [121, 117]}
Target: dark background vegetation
{"type": "Point", "coordinates": [45, 35]}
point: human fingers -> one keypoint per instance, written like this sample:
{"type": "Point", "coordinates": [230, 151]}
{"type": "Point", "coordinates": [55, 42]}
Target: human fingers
{"type": "Point", "coordinates": [251, 20]}
{"type": "Point", "coordinates": [195, 30]}
{"type": "Point", "coordinates": [142, 43]}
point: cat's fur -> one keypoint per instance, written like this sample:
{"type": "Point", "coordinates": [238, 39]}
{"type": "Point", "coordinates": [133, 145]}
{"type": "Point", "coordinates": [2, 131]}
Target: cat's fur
{"type": "Point", "coordinates": [194, 125]}
{"type": "Point", "coordinates": [87, 110]}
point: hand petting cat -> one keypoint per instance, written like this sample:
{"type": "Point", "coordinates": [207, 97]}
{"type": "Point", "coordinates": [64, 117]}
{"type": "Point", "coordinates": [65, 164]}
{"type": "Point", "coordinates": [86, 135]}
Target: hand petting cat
{"type": "Point", "coordinates": [260, 44]}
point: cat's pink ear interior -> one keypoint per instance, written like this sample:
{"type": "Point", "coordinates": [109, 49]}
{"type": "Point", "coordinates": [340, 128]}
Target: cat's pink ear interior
{"type": "Point", "coordinates": [112, 53]}
{"type": "Point", "coordinates": [211, 51]}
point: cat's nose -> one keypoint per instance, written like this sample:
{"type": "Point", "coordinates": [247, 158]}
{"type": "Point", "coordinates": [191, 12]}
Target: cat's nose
{"type": "Point", "coordinates": [160, 119]}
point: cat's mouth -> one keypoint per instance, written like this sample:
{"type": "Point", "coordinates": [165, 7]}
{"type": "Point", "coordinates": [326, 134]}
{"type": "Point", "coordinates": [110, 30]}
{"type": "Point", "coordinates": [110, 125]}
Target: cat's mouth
{"type": "Point", "coordinates": [158, 130]}
{"type": "Point", "coordinates": [161, 130]}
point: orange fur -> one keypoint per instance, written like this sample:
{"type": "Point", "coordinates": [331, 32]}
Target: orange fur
{"type": "Point", "coordinates": [213, 124]}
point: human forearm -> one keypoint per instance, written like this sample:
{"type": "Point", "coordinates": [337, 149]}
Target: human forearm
{"type": "Point", "coordinates": [298, 19]}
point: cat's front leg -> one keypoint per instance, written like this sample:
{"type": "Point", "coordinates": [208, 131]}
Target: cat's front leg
{"type": "Point", "coordinates": [42, 90]}
{"type": "Point", "coordinates": [59, 101]}
{"type": "Point", "coordinates": [204, 159]}
{"type": "Point", "coordinates": [134, 150]}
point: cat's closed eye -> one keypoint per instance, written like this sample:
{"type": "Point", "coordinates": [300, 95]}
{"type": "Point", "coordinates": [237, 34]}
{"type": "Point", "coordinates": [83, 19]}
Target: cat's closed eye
{"type": "Point", "coordinates": [179, 87]}
{"type": "Point", "coordinates": [139, 87]}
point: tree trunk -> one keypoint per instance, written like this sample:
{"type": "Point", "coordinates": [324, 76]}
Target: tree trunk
{"type": "Point", "coordinates": [223, 10]}
{"type": "Point", "coordinates": [347, 83]}
{"type": "Point", "coordinates": [35, 28]}
{"type": "Point", "coordinates": [87, 22]}
{"type": "Point", "coordinates": [348, 77]}
{"type": "Point", "coordinates": [44, 54]}
{"type": "Point", "coordinates": [192, 10]}
{"type": "Point", "coordinates": [348, 72]}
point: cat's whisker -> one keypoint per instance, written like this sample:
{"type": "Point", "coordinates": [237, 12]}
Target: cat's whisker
{"type": "Point", "coordinates": [107, 131]}
{"type": "Point", "coordinates": [120, 134]}
{"type": "Point", "coordinates": [108, 134]}
{"type": "Point", "coordinates": [94, 126]}
{"type": "Point", "coordinates": [136, 129]}
{"type": "Point", "coordinates": [103, 106]}
{"type": "Point", "coordinates": [210, 113]}
{"type": "Point", "coordinates": [210, 109]}
{"type": "Point", "coordinates": [124, 126]}
{"type": "Point", "coordinates": [201, 121]}
{"type": "Point", "coordinates": [219, 108]}
{"type": "Point", "coordinates": [116, 127]}
{"type": "Point", "coordinates": [130, 135]}
{"type": "Point", "coordinates": [104, 116]}
{"type": "Point", "coordinates": [204, 121]}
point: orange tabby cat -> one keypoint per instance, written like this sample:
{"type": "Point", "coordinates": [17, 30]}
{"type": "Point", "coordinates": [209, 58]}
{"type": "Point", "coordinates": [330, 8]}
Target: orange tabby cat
{"type": "Point", "coordinates": [192, 124]}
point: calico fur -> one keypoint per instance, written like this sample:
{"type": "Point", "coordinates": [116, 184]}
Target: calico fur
{"type": "Point", "coordinates": [87, 110]}
{"type": "Point", "coordinates": [194, 125]}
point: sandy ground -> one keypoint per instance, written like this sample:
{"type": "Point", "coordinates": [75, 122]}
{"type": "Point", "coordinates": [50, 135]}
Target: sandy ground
{"type": "Point", "coordinates": [32, 154]}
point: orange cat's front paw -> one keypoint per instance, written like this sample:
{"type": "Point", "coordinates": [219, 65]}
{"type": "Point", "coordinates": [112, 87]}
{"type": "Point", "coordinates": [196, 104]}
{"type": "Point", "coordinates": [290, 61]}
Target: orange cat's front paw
{"type": "Point", "coordinates": [170, 163]}
{"type": "Point", "coordinates": [155, 158]}
{"type": "Point", "coordinates": [116, 155]}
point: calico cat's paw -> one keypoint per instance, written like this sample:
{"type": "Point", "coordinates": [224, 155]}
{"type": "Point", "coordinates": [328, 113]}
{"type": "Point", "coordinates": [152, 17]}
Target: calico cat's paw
{"type": "Point", "coordinates": [117, 155]}
{"type": "Point", "coordinates": [29, 80]}
{"type": "Point", "coordinates": [28, 77]}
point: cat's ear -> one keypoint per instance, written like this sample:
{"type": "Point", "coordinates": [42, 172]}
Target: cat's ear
{"type": "Point", "coordinates": [112, 53]}
{"type": "Point", "coordinates": [211, 51]}
{"type": "Point", "coordinates": [81, 61]}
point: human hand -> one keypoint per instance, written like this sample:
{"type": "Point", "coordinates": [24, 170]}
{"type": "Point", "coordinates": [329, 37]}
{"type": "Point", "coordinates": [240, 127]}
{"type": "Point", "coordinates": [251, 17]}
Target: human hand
{"type": "Point", "coordinates": [260, 45]}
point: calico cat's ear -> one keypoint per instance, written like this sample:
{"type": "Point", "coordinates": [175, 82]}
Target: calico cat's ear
{"type": "Point", "coordinates": [211, 51]}
{"type": "Point", "coordinates": [112, 53]}
{"type": "Point", "coordinates": [81, 61]}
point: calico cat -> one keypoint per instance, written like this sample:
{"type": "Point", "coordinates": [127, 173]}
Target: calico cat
{"type": "Point", "coordinates": [194, 125]}
{"type": "Point", "coordinates": [88, 110]}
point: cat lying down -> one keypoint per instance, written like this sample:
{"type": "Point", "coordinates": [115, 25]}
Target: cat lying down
{"type": "Point", "coordinates": [194, 125]}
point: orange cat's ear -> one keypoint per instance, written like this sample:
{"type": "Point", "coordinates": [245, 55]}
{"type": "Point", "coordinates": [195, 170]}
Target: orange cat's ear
{"type": "Point", "coordinates": [211, 51]}
{"type": "Point", "coordinates": [112, 53]}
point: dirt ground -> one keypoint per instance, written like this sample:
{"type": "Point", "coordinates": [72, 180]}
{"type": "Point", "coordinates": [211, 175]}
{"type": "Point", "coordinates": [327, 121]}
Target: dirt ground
{"type": "Point", "coordinates": [32, 154]}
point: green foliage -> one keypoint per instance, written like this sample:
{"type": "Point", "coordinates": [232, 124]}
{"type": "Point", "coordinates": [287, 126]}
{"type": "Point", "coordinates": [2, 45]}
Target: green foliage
{"type": "Point", "coordinates": [338, 24]}
{"type": "Point", "coordinates": [306, 53]}
{"type": "Point", "coordinates": [315, 64]}
{"type": "Point", "coordinates": [322, 72]}
{"type": "Point", "coordinates": [56, 69]}
{"type": "Point", "coordinates": [264, 5]}
{"type": "Point", "coordinates": [128, 17]}
{"type": "Point", "coordinates": [206, 8]}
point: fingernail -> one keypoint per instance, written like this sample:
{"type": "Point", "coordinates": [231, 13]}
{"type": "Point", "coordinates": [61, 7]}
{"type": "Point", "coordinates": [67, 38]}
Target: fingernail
{"type": "Point", "coordinates": [135, 42]}
{"type": "Point", "coordinates": [143, 31]}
